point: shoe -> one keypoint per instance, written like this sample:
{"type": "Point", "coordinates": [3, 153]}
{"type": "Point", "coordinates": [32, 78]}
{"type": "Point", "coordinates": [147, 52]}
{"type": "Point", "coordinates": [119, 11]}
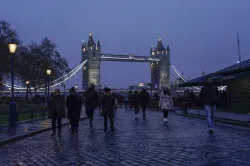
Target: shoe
{"type": "Point", "coordinates": [53, 134]}
{"type": "Point", "coordinates": [72, 132]}
{"type": "Point", "coordinates": [76, 131]}
{"type": "Point", "coordinates": [165, 119]}
{"type": "Point", "coordinates": [211, 131]}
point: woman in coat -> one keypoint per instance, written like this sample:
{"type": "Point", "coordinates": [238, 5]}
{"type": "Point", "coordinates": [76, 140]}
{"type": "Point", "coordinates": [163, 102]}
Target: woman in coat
{"type": "Point", "coordinates": [166, 103]}
{"type": "Point", "coordinates": [57, 111]}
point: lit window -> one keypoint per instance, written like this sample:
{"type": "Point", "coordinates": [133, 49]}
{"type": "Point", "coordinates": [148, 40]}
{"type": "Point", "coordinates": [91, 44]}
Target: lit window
{"type": "Point", "coordinates": [152, 64]}
{"type": "Point", "coordinates": [84, 68]}
{"type": "Point", "coordinates": [96, 48]}
{"type": "Point", "coordinates": [91, 48]}
{"type": "Point", "coordinates": [153, 53]}
{"type": "Point", "coordinates": [158, 52]}
{"type": "Point", "coordinates": [162, 52]}
{"type": "Point", "coordinates": [84, 49]}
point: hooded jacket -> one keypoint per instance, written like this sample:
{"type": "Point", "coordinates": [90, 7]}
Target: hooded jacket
{"type": "Point", "coordinates": [108, 102]}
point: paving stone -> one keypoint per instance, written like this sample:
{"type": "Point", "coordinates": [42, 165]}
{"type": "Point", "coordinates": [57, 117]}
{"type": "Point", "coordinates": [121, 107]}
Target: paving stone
{"type": "Point", "coordinates": [150, 141]}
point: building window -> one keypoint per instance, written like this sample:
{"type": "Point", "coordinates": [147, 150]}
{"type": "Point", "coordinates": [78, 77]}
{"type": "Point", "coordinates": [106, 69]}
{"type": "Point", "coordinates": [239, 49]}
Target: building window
{"type": "Point", "coordinates": [158, 52]}
{"type": "Point", "coordinates": [153, 53]}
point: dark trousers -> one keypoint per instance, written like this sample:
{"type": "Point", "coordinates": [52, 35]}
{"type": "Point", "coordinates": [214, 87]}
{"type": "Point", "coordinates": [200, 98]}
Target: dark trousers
{"type": "Point", "coordinates": [90, 113]}
{"type": "Point", "coordinates": [74, 121]}
{"type": "Point", "coordinates": [165, 113]}
{"type": "Point", "coordinates": [143, 107]}
{"type": "Point", "coordinates": [110, 116]}
{"type": "Point", "coordinates": [136, 109]}
{"type": "Point", "coordinates": [59, 122]}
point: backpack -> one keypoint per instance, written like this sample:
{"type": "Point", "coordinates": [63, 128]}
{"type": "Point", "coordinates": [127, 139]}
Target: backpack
{"type": "Point", "coordinates": [91, 95]}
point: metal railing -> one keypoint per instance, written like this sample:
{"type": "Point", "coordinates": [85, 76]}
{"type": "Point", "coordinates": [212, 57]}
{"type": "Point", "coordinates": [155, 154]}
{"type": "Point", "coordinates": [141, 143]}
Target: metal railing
{"type": "Point", "coordinates": [24, 116]}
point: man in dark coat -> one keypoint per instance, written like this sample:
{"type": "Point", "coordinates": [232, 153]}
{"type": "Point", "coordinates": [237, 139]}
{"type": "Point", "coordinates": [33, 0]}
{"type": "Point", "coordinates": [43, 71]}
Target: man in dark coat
{"type": "Point", "coordinates": [91, 102]}
{"type": "Point", "coordinates": [136, 103]}
{"type": "Point", "coordinates": [209, 96]}
{"type": "Point", "coordinates": [108, 108]}
{"type": "Point", "coordinates": [74, 105]}
{"type": "Point", "coordinates": [144, 97]}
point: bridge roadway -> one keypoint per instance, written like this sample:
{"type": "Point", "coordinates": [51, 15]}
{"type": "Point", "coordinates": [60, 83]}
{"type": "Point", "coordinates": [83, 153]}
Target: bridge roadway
{"type": "Point", "coordinates": [181, 141]}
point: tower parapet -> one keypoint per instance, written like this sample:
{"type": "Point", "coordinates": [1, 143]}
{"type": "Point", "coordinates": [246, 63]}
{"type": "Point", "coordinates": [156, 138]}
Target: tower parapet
{"type": "Point", "coordinates": [160, 71]}
{"type": "Point", "coordinates": [91, 70]}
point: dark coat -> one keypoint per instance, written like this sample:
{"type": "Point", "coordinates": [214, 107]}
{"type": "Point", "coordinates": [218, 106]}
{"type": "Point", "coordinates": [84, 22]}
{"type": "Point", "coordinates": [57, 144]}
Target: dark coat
{"type": "Point", "coordinates": [144, 97]}
{"type": "Point", "coordinates": [74, 105]}
{"type": "Point", "coordinates": [57, 105]}
{"type": "Point", "coordinates": [135, 100]}
{"type": "Point", "coordinates": [209, 94]}
{"type": "Point", "coordinates": [91, 100]}
{"type": "Point", "coordinates": [108, 103]}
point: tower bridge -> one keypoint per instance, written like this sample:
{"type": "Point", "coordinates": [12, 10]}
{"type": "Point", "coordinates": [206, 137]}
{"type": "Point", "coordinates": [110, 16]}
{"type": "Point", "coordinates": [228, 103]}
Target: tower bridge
{"type": "Point", "coordinates": [159, 62]}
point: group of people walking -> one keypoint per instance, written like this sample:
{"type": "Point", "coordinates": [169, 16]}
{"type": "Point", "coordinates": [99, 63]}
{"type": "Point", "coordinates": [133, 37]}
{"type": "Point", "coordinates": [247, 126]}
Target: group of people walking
{"type": "Point", "coordinates": [107, 103]}
{"type": "Point", "coordinates": [73, 103]}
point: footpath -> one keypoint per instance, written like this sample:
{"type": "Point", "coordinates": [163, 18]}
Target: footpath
{"type": "Point", "coordinates": [27, 129]}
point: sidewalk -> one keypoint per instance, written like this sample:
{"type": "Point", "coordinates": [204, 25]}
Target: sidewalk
{"type": "Point", "coordinates": [23, 130]}
{"type": "Point", "coordinates": [223, 117]}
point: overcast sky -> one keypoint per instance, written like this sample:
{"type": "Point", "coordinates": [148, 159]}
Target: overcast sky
{"type": "Point", "coordinates": [201, 33]}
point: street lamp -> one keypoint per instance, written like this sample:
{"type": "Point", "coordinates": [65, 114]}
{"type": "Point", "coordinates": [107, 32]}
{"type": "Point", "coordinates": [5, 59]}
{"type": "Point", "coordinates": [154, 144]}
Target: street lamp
{"type": "Point", "coordinates": [12, 115]}
{"type": "Point", "coordinates": [48, 74]}
{"type": "Point", "coordinates": [63, 85]}
{"type": "Point", "coordinates": [27, 83]}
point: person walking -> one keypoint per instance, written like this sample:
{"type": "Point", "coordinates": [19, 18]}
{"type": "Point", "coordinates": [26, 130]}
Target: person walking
{"type": "Point", "coordinates": [144, 98]}
{"type": "Point", "coordinates": [91, 103]}
{"type": "Point", "coordinates": [108, 108]}
{"type": "Point", "coordinates": [166, 103]}
{"type": "Point", "coordinates": [57, 111]}
{"type": "Point", "coordinates": [136, 103]}
{"type": "Point", "coordinates": [74, 105]}
{"type": "Point", "coordinates": [209, 96]}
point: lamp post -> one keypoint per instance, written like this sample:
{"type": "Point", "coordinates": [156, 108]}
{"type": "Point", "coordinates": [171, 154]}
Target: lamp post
{"type": "Point", "coordinates": [12, 115]}
{"type": "Point", "coordinates": [63, 85]}
{"type": "Point", "coordinates": [27, 93]}
{"type": "Point", "coordinates": [48, 74]}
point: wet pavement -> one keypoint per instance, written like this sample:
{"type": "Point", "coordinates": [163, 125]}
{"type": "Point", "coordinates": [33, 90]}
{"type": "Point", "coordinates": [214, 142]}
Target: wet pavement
{"type": "Point", "coordinates": [149, 141]}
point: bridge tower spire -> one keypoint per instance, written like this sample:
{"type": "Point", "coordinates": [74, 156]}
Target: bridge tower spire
{"type": "Point", "coordinates": [91, 70]}
{"type": "Point", "coordinates": [160, 71]}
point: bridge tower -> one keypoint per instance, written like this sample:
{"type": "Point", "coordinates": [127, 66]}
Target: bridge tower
{"type": "Point", "coordinates": [91, 52]}
{"type": "Point", "coordinates": [160, 71]}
